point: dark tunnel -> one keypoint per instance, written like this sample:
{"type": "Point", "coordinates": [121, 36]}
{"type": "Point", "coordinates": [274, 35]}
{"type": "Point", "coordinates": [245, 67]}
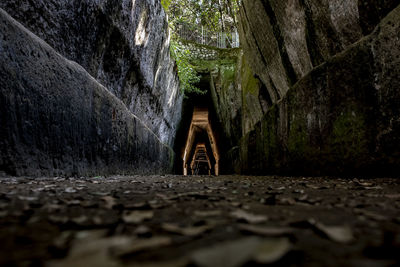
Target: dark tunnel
{"type": "Point", "coordinates": [200, 123]}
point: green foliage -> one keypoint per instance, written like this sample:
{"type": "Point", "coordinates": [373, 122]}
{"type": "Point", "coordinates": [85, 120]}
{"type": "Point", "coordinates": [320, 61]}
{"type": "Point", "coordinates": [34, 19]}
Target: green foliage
{"type": "Point", "coordinates": [166, 4]}
{"type": "Point", "coordinates": [213, 15]}
{"type": "Point", "coordinates": [187, 74]}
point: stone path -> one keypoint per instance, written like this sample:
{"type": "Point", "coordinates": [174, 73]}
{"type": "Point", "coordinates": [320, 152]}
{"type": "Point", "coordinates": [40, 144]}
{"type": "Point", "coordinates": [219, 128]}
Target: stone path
{"type": "Point", "coordinates": [199, 221]}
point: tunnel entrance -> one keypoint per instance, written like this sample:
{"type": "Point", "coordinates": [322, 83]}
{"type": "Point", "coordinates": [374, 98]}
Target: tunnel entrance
{"type": "Point", "coordinates": [201, 154]}
{"type": "Point", "coordinates": [200, 142]}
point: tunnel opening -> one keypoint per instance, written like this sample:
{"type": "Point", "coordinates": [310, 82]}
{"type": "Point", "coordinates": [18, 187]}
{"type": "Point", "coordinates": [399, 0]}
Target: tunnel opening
{"type": "Point", "coordinates": [199, 140]}
{"type": "Point", "coordinates": [201, 163]}
{"type": "Point", "coordinates": [197, 155]}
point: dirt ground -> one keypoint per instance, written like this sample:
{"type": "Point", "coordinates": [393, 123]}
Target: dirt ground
{"type": "Point", "coordinates": [199, 221]}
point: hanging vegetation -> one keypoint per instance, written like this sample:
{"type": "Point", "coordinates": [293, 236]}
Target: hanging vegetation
{"type": "Point", "coordinates": [210, 15]}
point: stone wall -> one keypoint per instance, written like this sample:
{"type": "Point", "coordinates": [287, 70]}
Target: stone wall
{"type": "Point", "coordinates": [123, 44]}
{"type": "Point", "coordinates": [339, 118]}
{"type": "Point", "coordinates": [283, 40]}
{"type": "Point", "coordinates": [199, 51]}
{"type": "Point", "coordinates": [56, 119]}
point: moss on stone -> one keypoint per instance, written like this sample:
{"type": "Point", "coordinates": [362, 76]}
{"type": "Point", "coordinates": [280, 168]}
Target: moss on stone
{"type": "Point", "coordinates": [207, 66]}
{"type": "Point", "coordinates": [349, 138]}
{"type": "Point", "coordinates": [250, 84]}
{"type": "Point", "coordinates": [228, 72]}
{"type": "Point", "coordinates": [297, 140]}
{"type": "Point", "coordinates": [270, 140]}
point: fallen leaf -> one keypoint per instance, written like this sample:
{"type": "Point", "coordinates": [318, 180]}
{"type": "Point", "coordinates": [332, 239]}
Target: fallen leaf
{"type": "Point", "coordinates": [207, 213]}
{"type": "Point", "coordinates": [138, 245]}
{"type": "Point", "coordinates": [97, 220]}
{"type": "Point", "coordinates": [236, 204]}
{"type": "Point", "coordinates": [272, 250]}
{"type": "Point", "coordinates": [92, 251]}
{"type": "Point", "coordinates": [70, 190]}
{"type": "Point", "coordinates": [313, 186]}
{"type": "Point", "coordinates": [356, 182]}
{"type": "Point", "coordinates": [28, 198]}
{"type": "Point", "coordinates": [372, 215]}
{"type": "Point", "coordinates": [137, 217]}
{"type": "Point", "coordinates": [373, 187]}
{"type": "Point", "coordinates": [143, 231]}
{"type": "Point", "coordinates": [277, 188]}
{"type": "Point", "coordinates": [287, 201]}
{"type": "Point", "coordinates": [266, 230]}
{"type": "Point", "coordinates": [73, 202]}
{"type": "Point", "coordinates": [80, 220]}
{"type": "Point", "coordinates": [186, 231]}
{"type": "Point", "coordinates": [155, 204]}
{"type": "Point", "coordinates": [340, 234]}
{"type": "Point", "coordinates": [239, 252]}
{"type": "Point", "coordinates": [227, 254]}
{"type": "Point", "coordinates": [196, 195]}
{"type": "Point", "coordinates": [248, 217]}
{"type": "Point", "coordinates": [109, 202]}
{"type": "Point", "coordinates": [303, 198]}
{"type": "Point", "coordinates": [62, 241]}
{"type": "Point", "coordinates": [90, 235]}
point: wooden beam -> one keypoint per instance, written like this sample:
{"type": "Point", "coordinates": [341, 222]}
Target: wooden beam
{"type": "Point", "coordinates": [200, 120]}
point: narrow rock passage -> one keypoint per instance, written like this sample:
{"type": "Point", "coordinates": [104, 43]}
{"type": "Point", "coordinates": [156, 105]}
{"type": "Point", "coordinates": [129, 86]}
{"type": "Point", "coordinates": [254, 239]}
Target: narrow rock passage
{"type": "Point", "coordinates": [203, 221]}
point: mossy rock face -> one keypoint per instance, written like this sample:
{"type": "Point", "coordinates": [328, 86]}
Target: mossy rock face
{"type": "Point", "coordinates": [250, 84]}
{"type": "Point", "coordinates": [340, 119]}
{"type": "Point", "coordinates": [57, 120]}
{"type": "Point", "coordinates": [284, 40]}
{"type": "Point", "coordinates": [373, 11]}
{"type": "Point", "coordinates": [349, 135]}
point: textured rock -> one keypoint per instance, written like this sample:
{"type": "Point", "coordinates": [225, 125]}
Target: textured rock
{"type": "Point", "coordinates": [123, 44]}
{"type": "Point", "coordinates": [226, 94]}
{"type": "Point", "coordinates": [373, 11]}
{"type": "Point", "coordinates": [283, 40]}
{"type": "Point", "coordinates": [200, 51]}
{"type": "Point", "coordinates": [341, 118]}
{"type": "Point", "coordinates": [255, 98]}
{"type": "Point", "coordinates": [221, 77]}
{"type": "Point", "coordinates": [56, 119]}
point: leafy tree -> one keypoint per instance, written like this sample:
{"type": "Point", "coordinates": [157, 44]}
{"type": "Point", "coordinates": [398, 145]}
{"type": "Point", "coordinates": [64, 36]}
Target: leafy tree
{"type": "Point", "coordinates": [212, 15]}
{"type": "Point", "coordinates": [188, 76]}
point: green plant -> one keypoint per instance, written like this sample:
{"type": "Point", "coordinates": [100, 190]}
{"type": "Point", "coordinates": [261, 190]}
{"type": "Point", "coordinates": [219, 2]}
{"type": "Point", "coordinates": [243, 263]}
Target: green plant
{"type": "Point", "coordinates": [166, 4]}
{"type": "Point", "coordinates": [187, 74]}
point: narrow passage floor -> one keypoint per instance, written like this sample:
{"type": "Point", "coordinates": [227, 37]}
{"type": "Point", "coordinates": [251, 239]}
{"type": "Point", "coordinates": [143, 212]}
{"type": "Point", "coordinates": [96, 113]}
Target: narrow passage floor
{"type": "Point", "coordinates": [199, 221]}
